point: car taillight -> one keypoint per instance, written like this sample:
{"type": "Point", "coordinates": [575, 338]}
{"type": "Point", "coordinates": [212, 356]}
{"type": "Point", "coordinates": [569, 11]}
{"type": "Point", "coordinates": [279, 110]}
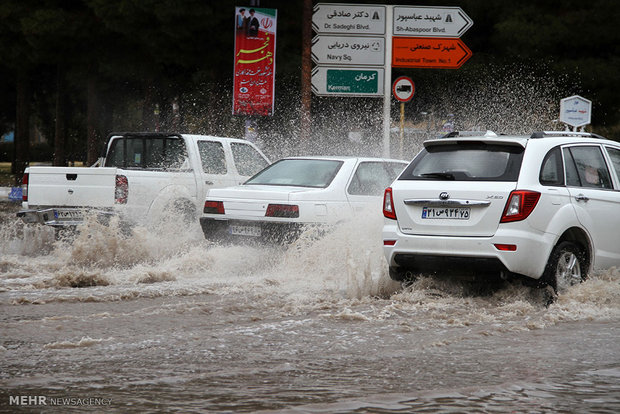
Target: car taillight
{"type": "Point", "coordinates": [519, 206]}
{"type": "Point", "coordinates": [214, 207]}
{"type": "Point", "coordinates": [388, 204]}
{"type": "Point", "coordinates": [282, 210]}
{"type": "Point", "coordinates": [25, 187]}
{"type": "Point", "coordinates": [121, 191]}
{"type": "Point", "coordinates": [506, 247]}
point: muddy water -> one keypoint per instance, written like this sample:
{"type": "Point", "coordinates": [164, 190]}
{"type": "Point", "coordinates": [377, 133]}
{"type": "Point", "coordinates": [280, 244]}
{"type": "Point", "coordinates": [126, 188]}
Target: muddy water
{"type": "Point", "coordinates": [161, 320]}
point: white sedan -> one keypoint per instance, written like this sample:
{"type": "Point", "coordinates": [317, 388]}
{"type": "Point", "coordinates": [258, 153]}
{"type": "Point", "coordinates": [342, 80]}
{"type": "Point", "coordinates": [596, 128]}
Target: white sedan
{"type": "Point", "coordinates": [280, 201]}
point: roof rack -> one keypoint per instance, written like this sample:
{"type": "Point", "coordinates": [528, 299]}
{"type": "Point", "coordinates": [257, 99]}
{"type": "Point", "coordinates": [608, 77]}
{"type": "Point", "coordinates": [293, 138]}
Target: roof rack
{"type": "Point", "coordinates": [543, 134]}
{"type": "Point", "coordinates": [470, 134]}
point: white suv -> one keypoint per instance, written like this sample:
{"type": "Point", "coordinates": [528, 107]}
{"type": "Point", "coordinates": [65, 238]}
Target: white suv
{"type": "Point", "coordinates": [544, 208]}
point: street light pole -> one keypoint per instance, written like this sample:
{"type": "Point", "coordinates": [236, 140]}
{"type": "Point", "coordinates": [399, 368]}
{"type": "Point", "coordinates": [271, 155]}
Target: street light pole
{"type": "Point", "coordinates": [306, 74]}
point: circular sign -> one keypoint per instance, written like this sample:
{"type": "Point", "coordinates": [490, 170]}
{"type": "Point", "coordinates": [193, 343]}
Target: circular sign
{"type": "Point", "coordinates": [403, 89]}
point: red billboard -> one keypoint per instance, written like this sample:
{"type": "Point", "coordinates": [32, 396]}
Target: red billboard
{"type": "Point", "coordinates": [255, 61]}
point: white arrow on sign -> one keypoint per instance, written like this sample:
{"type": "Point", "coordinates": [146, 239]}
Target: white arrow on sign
{"type": "Point", "coordinates": [430, 21]}
{"type": "Point", "coordinates": [348, 19]}
{"type": "Point", "coordinates": [348, 50]}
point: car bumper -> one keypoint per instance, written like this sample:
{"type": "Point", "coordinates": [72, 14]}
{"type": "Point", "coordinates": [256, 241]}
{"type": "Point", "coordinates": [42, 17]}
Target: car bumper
{"type": "Point", "coordinates": [61, 217]}
{"type": "Point", "coordinates": [441, 253]}
{"type": "Point", "coordinates": [221, 230]}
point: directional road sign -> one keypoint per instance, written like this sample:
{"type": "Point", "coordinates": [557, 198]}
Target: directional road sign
{"type": "Point", "coordinates": [430, 21]}
{"type": "Point", "coordinates": [429, 52]}
{"type": "Point", "coordinates": [339, 81]}
{"type": "Point", "coordinates": [403, 89]}
{"type": "Point", "coordinates": [348, 50]}
{"type": "Point", "coordinates": [575, 111]}
{"type": "Point", "coordinates": [354, 19]}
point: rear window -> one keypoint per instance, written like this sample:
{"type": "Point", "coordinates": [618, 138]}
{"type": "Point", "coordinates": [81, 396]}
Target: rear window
{"type": "Point", "coordinates": [151, 153]}
{"type": "Point", "coordinates": [298, 173]}
{"type": "Point", "coordinates": [466, 161]}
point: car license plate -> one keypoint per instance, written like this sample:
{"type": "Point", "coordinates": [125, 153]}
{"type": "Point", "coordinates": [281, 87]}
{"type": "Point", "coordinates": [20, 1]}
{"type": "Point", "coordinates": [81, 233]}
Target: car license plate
{"type": "Point", "coordinates": [68, 214]}
{"type": "Point", "coordinates": [237, 230]}
{"type": "Point", "coordinates": [455, 213]}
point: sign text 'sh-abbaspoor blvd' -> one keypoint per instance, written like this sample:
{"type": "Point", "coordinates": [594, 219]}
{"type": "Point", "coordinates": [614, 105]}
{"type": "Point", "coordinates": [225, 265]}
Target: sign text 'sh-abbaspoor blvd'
{"type": "Point", "coordinates": [430, 21]}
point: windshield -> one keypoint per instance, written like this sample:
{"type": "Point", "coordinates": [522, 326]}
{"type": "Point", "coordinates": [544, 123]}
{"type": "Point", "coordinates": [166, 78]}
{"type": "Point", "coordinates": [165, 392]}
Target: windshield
{"type": "Point", "coordinates": [298, 173]}
{"type": "Point", "coordinates": [466, 161]}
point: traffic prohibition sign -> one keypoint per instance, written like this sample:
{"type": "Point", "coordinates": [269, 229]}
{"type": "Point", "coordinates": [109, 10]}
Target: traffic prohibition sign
{"type": "Point", "coordinates": [403, 89]}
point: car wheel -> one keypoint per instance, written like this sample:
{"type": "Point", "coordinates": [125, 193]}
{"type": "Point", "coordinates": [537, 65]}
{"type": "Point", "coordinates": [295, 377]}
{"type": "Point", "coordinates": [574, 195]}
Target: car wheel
{"type": "Point", "coordinates": [566, 267]}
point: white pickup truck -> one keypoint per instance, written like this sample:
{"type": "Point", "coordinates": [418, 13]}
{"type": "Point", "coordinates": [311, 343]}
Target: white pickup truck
{"type": "Point", "coordinates": [140, 177]}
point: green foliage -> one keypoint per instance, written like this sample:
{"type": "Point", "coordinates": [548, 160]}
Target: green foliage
{"type": "Point", "coordinates": [146, 52]}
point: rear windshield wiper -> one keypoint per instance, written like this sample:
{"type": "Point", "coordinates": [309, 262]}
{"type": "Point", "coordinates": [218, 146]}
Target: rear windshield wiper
{"type": "Point", "coordinates": [442, 175]}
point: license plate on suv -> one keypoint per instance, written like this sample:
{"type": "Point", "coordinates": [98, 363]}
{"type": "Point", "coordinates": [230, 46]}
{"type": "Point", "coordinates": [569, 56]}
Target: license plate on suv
{"type": "Point", "coordinates": [239, 230]}
{"type": "Point", "coordinates": [454, 213]}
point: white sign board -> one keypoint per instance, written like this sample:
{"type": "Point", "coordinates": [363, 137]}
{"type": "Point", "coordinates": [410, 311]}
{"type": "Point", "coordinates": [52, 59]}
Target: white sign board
{"type": "Point", "coordinates": [348, 50]}
{"type": "Point", "coordinates": [575, 111]}
{"type": "Point", "coordinates": [352, 19]}
{"type": "Point", "coordinates": [430, 21]}
{"type": "Point", "coordinates": [348, 81]}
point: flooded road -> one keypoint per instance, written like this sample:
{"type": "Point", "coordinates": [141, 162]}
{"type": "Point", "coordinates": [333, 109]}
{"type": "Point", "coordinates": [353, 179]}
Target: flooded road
{"type": "Point", "coordinates": [161, 320]}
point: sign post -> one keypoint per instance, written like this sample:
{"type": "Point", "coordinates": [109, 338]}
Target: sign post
{"type": "Point", "coordinates": [350, 36]}
{"type": "Point", "coordinates": [387, 98]}
{"type": "Point", "coordinates": [403, 90]}
{"type": "Point", "coordinates": [349, 49]}
{"type": "Point", "coordinates": [576, 111]}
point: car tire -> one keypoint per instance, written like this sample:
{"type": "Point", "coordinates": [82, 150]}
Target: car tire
{"type": "Point", "coordinates": [567, 266]}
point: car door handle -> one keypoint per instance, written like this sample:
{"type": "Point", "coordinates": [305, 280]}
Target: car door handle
{"type": "Point", "coordinates": [209, 182]}
{"type": "Point", "coordinates": [581, 197]}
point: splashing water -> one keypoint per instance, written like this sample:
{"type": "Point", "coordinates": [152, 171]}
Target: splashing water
{"type": "Point", "coordinates": [341, 274]}
{"type": "Point", "coordinates": [343, 269]}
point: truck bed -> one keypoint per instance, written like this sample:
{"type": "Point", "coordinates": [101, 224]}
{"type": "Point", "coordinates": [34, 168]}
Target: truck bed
{"type": "Point", "coordinates": [71, 186]}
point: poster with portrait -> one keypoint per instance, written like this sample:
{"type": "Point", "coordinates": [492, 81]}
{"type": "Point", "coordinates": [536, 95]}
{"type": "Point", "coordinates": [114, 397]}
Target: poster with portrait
{"type": "Point", "coordinates": [255, 61]}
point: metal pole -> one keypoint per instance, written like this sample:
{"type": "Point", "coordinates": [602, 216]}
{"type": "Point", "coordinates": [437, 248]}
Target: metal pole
{"type": "Point", "coordinates": [387, 81]}
{"type": "Point", "coordinates": [402, 127]}
{"type": "Point", "coordinates": [306, 75]}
